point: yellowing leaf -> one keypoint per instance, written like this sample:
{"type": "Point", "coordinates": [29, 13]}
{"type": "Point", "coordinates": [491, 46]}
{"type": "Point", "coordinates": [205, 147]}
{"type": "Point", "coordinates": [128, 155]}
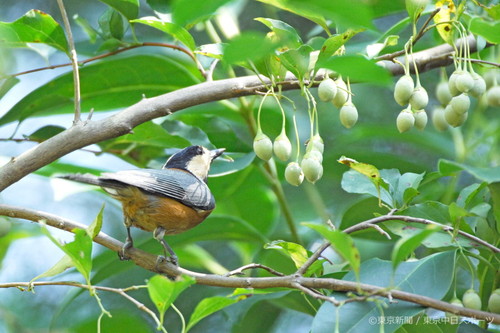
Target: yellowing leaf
{"type": "Point", "coordinates": [444, 15]}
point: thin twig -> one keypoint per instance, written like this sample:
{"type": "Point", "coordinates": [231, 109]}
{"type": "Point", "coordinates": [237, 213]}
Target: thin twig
{"type": "Point", "coordinates": [74, 62]}
{"type": "Point", "coordinates": [239, 271]}
{"type": "Point", "coordinates": [315, 294]}
{"type": "Point", "coordinates": [478, 61]}
{"type": "Point", "coordinates": [380, 230]}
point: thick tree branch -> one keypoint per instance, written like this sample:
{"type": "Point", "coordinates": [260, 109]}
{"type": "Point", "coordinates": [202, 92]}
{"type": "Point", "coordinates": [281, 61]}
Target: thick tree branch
{"type": "Point", "coordinates": [148, 261]}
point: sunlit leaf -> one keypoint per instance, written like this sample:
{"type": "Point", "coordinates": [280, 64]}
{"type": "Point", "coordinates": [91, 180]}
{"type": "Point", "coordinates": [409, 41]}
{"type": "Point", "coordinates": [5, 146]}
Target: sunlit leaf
{"type": "Point", "coordinates": [285, 33]}
{"type": "Point", "coordinates": [34, 27]}
{"type": "Point", "coordinates": [489, 30]}
{"type": "Point", "coordinates": [7, 83]}
{"type": "Point", "coordinates": [177, 31]}
{"type": "Point", "coordinates": [208, 306]}
{"type": "Point", "coordinates": [249, 46]}
{"type": "Point", "coordinates": [334, 43]}
{"type": "Point", "coordinates": [405, 246]}
{"type": "Point", "coordinates": [444, 15]}
{"type": "Point", "coordinates": [188, 12]}
{"type": "Point", "coordinates": [129, 8]}
{"type": "Point", "coordinates": [297, 61]}
{"type": "Point", "coordinates": [358, 69]}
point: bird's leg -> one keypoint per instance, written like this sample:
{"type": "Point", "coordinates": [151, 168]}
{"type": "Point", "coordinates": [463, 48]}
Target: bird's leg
{"type": "Point", "coordinates": [158, 234]}
{"type": "Point", "coordinates": [129, 243]}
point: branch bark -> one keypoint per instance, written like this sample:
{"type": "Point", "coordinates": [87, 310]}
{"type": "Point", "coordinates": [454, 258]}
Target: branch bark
{"type": "Point", "coordinates": [148, 261]}
{"type": "Point", "coordinates": [86, 133]}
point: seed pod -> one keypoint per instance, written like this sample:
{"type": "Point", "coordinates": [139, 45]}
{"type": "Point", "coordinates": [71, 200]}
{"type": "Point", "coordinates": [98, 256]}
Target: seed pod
{"type": "Point", "coordinates": [493, 96]}
{"type": "Point", "coordinates": [282, 147]}
{"type": "Point", "coordinates": [348, 115]}
{"type": "Point", "coordinates": [312, 168]}
{"type": "Point", "coordinates": [460, 103]}
{"type": "Point", "coordinates": [419, 98]}
{"type": "Point", "coordinates": [471, 300]}
{"type": "Point", "coordinates": [438, 119]}
{"type": "Point", "coordinates": [464, 82]}
{"type": "Point", "coordinates": [341, 95]}
{"type": "Point", "coordinates": [315, 143]}
{"type": "Point", "coordinates": [405, 121]}
{"type": "Point", "coordinates": [479, 87]}
{"type": "Point", "coordinates": [327, 90]}
{"type": "Point", "coordinates": [494, 301]}
{"type": "Point", "coordinates": [314, 154]}
{"type": "Point", "coordinates": [453, 118]}
{"type": "Point", "coordinates": [420, 119]}
{"type": "Point", "coordinates": [452, 83]}
{"type": "Point", "coordinates": [403, 90]}
{"type": "Point", "coordinates": [443, 93]}
{"type": "Point", "coordinates": [263, 146]}
{"type": "Point", "coordinates": [294, 174]}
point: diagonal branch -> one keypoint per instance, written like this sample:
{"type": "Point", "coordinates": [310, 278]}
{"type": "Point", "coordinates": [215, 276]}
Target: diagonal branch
{"type": "Point", "coordinates": [148, 261]}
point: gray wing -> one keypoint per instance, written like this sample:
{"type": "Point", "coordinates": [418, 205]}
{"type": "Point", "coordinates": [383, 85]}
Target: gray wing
{"type": "Point", "coordinates": [172, 183]}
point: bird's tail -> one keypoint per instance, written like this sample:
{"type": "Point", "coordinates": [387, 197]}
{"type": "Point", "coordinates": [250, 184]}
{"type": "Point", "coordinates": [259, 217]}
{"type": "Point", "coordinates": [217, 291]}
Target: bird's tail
{"type": "Point", "coordinates": [88, 178]}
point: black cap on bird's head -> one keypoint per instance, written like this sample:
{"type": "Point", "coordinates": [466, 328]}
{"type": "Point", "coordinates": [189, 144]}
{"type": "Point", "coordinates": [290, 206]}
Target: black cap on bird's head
{"type": "Point", "coordinates": [195, 159]}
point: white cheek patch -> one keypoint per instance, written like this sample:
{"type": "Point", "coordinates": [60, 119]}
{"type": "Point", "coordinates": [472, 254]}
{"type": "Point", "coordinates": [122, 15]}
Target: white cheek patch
{"type": "Point", "coordinates": [200, 165]}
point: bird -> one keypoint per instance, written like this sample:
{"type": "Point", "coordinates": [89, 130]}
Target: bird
{"type": "Point", "coordinates": [164, 201]}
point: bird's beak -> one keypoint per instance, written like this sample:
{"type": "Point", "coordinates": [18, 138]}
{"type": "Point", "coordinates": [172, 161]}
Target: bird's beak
{"type": "Point", "coordinates": [216, 153]}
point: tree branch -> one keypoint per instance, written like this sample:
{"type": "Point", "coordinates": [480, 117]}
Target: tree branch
{"type": "Point", "coordinates": [148, 261]}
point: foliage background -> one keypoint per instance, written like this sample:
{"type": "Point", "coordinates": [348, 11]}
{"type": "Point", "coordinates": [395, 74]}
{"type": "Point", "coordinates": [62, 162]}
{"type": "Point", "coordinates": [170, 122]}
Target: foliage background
{"type": "Point", "coordinates": [248, 213]}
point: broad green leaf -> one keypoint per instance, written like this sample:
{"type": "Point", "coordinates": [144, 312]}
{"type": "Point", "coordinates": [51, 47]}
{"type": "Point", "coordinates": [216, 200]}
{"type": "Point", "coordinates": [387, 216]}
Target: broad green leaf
{"type": "Point", "coordinates": [207, 307]}
{"type": "Point", "coordinates": [198, 257]}
{"type": "Point", "coordinates": [494, 11]}
{"type": "Point", "coordinates": [104, 87]}
{"type": "Point", "coordinates": [300, 10]}
{"type": "Point", "coordinates": [431, 276]}
{"type": "Point", "coordinates": [297, 61]}
{"type": "Point", "coordinates": [189, 12]}
{"type": "Point", "coordinates": [95, 227]}
{"type": "Point", "coordinates": [87, 27]}
{"type": "Point", "coordinates": [111, 24]}
{"type": "Point", "coordinates": [7, 83]}
{"type": "Point", "coordinates": [176, 31]}
{"type": "Point", "coordinates": [456, 212]}
{"type": "Point", "coordinates": [495, 198]}
{"type": "Point", "coordinates": [415, 9]}
{"type": "Point", "coordinates": [334, 43]}
{"type": "Point", "coordinates": [45, 133]}
{"type": "Point", "coordinates": [34, 27]}
{"type": "Point", "coordinates": [249, 46]}
{"type": "Point", "coordinates": [163, 291]}
{"type": "Point", "coordinates": [405, 246]}
{"type": "Point", "coordinates": [296, 251]}
{"type": "Point", "coordinates": [445, 30]}
{"type": "Point", "coordinates": [355, 182]}
{"type": "Point", "coordinates": [342, 243]}
{"type": "Point", "coordinates": [129, 8]}
{"type": "Point", "coordinates": [489, 30]}
{"type": "Point", "coordinates": [286, 35]}
{"type": "Point", "coordinates": [488, 175]}
{"type": "Point", "coordinates": [469, 194]}
{"type": "Point", "coordinates": [358, 69]}
{"type": "Point", "coordinates": [59, 267]}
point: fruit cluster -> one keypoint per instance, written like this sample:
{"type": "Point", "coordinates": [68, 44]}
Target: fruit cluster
{"type": "Point", "coordinates": [472, 300]}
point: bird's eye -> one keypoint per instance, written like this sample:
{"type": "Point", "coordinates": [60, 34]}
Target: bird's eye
{"type": "Point", "coordinates": [199, 150]}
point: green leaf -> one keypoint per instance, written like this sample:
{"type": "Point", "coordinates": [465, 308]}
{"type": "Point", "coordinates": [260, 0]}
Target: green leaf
{"type": "Point", "coordinates": [489, 30]}
{"type": "Point", "coordinates": [215, 50]}
{"type": "Point", "coordinates": [296, 252]}
{"type": "Point", "coordinates": [405, 246]}
{"type": "Point", "coordinates": [129, 8]}
{"type": "Point", "coordinates": [297, 61]}
{"type": "Point", "coordinates": [45, 133]}
{"type": "Point", "coordinates": [111, 24]}
{"type": "Point", "coordinates": [6, 84]}
{"type": "Point", "coordinates": [104, 87]}
{"type": "Point", "coordinates": [59, 267]}
{"type": "Point", "coordinates": [163, 291]}
{"type": "Point", "coordinates": [342, 243]}
{"type": "Point", "coordinates": [431, 276]}
{"type": "Point", "coordinates": [34, 27]}
{"type": "Point", "coordinates": [488, 175]}
{"type": "Point", "coordinates": [95, 227]}
{"type": "Point", "coordinates": [355, 182]}
{"type": "Point", "coordinates": [333, 43]}
{"type": "Point", "coordinates": [287, 35]}
{"type": "Point", "coordinates": [87, 28]}
{"type": "Point", "coordinates": [358, 69]}
{"type": "Point", "coordinates": [175, 30]}
{"type": "Point", "coordinates": [415, 9]}
{"type": "Point", "coordinates": [197, 256]}
{"type": "Point", "coordinates": [189, 12]}
{"type": "Point", "coordinates": [208, 306]}
{"type": "Point", "coordinates": [249, 46]}
{"type": "Point", "coordinates": [495, 198]}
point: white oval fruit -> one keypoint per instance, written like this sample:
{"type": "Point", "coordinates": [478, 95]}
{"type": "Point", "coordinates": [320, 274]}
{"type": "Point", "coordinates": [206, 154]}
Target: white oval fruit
{"type": "Point", "coordinates": [263, 146]}
{"type": "Point", "coordinates": [464, 81]}
{"type": "Point", "coordinates": [457, 302]}
{"type": "Point", "coordinates": [312, 168]}
{"type": "Point", "coordinates": [282, 147]}
{"type": "Point", "coordinates": [294, 174]}
{"type": "Point", "coordinates": [438, 119]}
{"type": "Point", "coordinates": [443, 93]}
{"type": "Point", "coordinates": [315, 143]}
{"type": "Point", "coordinates": [314, 154]}
{"type": "Point", "coordinates": [492, 77]}
{"type": "Point", "coordinates": [452, 83]}
{"type": "Point", "coordinates": [494, 301]}
{"type": "Point", "coordinates": [327, 90]}
{"type": "Point", "coordinates": [405, 121]}
{"type": "Point", "coordinates": [493, 96]}
{"type": "Point", "coordinates": [342, 94]}
{"type": "Point", "coordinates": [419, 98]}
{"type": "Point", "coordinates": [403, 90]}
{"type": "Point", "coordinates": [479, 87]}
{"type": "Point", "coordinates": [471, 300]}
{"type": "Point", "coordinates": [460, 103]}
{"type": "Point", "coordinates": [348, 115]}
{"type": "Point", "coordinates": [453, 118]}
{"type": "Point", "coordinates": [420, 119]}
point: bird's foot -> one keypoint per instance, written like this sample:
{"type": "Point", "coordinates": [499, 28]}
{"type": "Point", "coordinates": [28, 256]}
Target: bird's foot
{"type": "Point", "coordinates": [122, 254]}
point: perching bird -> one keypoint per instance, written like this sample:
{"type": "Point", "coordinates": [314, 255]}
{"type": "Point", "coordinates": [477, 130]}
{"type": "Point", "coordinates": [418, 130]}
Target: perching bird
{"type": "Point", "coordinates": [167, 201]}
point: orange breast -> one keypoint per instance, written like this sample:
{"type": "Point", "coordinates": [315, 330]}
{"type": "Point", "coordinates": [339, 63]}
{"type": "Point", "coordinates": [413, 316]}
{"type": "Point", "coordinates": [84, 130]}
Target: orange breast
{"type": "Point", "coordinates": [148, 212]}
